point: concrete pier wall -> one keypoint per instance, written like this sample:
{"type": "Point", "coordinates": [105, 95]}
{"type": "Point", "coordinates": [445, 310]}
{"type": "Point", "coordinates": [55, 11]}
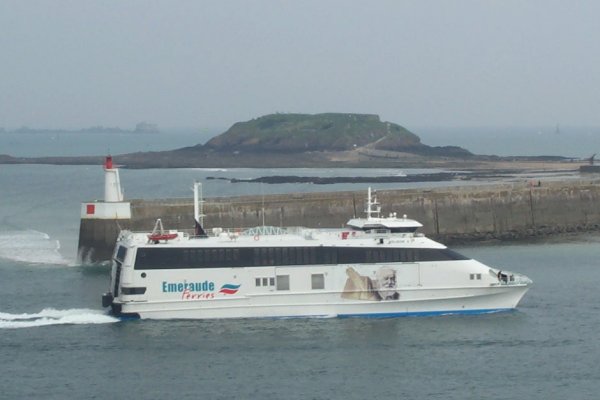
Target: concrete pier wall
{"type": "Point", "coordinates": [448, 214]}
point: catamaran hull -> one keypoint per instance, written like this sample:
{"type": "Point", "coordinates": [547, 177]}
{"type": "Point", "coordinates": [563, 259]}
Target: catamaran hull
{"type": "Point", "coordinates": [413, 302]}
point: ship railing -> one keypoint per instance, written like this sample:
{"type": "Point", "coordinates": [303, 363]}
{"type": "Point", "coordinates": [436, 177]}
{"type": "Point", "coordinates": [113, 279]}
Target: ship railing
{"type": "Point", "coordinates": [308, 233]}
{"type": "Point", "coordinates": [253, 231]}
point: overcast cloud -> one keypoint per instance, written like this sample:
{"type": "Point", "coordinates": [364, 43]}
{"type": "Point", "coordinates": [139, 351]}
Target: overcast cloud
{"type": "Point", "coordinates": [72, 64]}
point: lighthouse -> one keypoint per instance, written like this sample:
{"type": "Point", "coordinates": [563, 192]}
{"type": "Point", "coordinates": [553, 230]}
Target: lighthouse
{"type": "Point", "coordinates": [112, 184]}
{"type": "Point", "coordinates": [102, 220]}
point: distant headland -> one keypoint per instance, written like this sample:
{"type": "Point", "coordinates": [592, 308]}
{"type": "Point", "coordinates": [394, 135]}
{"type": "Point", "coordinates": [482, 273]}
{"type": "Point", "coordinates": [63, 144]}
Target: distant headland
{"type": "Point", "coordinates": [141, 127]}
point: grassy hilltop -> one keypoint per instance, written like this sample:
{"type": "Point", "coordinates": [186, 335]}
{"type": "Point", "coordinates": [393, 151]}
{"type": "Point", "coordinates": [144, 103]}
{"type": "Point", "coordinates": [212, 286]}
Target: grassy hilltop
{"type": "Point", "coordinates": [326, 133]}
{"type": "Point", "coordinates": [320, 132]}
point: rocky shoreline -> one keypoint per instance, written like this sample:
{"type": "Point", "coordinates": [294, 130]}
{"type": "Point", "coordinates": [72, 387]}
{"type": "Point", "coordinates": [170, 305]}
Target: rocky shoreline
{"type": "Point", "coordinates": [317, 180]}
{"type": "Point", "coordinates": [425, 177]}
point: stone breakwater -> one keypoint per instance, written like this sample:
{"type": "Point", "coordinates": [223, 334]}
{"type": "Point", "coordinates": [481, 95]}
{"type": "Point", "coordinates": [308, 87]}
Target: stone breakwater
{"type": "Point", "coordinates": [451, 215]}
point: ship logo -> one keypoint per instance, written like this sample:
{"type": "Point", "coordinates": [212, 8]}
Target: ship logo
{"type": "Point", "coordinates": [229, 288]}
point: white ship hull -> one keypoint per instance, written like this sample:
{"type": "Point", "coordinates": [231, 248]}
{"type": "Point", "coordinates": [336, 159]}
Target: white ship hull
{"type": "Point", "coordinates": [414, 303]}
{"type": "Point", "coordinates": [421, 289]}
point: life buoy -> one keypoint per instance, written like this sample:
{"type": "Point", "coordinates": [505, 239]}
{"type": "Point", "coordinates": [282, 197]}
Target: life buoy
{"type": "Point", "coordinates": [256, 237]}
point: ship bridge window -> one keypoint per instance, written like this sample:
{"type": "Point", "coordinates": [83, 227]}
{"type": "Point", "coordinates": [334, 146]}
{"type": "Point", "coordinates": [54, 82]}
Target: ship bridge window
{"type": "Point", "coordinates": [377, 231]}
{"type": "Point", "coordinates": [404, 230]}
{"type": "Point", "coordinates": [117, 279]}
{"type": "Point", "coordinates": [121, 253]}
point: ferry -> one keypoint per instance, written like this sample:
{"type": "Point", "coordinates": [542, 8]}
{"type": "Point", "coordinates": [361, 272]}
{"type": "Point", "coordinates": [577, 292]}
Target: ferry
{"type": "Point", "coordinates": [377, 266]}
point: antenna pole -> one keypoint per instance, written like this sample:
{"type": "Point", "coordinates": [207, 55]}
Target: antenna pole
{"type": "Point", "coordinates": [198, 204]}
{"type": "Point", "coordinates": [263, 203]}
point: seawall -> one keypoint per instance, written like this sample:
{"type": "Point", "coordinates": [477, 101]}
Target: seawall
{"type": "Point", "coordinates": [469, 213]}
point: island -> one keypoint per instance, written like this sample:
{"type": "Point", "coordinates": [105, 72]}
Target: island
{"type": "Point", "coordinates": [311, 140]}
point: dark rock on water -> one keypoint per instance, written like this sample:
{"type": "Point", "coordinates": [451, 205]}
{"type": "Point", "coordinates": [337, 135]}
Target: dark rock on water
{"type": "Point", "coordinates": [437, 177]}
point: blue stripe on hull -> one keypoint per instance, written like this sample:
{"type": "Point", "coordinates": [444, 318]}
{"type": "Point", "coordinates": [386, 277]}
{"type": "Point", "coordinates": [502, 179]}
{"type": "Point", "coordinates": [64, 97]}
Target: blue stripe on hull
{"type": "Point", "coordinates": [426, 313]}
{"type": "Point", "coordinates": [130, 317]}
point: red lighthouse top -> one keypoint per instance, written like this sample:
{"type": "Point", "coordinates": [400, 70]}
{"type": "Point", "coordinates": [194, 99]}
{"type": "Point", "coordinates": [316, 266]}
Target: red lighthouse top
{"type": "Point", "coordinates": [108, 163]}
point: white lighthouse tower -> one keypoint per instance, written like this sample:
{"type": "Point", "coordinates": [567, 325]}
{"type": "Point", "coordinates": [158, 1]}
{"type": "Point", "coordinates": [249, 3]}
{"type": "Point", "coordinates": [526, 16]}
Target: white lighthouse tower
{"type": "Point", "coordinates": [101, 220]}
{"type": "Point", "coordinates": [112, 184]}
{"type": "Point", "coordinates": [113, 206]}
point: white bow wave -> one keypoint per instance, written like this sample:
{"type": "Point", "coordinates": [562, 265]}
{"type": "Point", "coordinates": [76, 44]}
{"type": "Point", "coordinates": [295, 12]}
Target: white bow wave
{"type": "Point", "coordinates": [51, 316]}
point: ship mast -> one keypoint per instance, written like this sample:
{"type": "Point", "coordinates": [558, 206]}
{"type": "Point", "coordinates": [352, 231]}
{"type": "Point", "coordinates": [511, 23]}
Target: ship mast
{"type": "Point", "coordinates": [198, 210]}
{"type": "Point", "coordinates": [373, 206]}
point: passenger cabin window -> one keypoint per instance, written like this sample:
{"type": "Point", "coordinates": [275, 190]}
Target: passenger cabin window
{"type": "Point", "coordinates": [264, 282]}
{"type": "Point", "coordinates": [317, 281]}
{"type": "Point", "coordinates": [283, 282]}
{"type": "Point", "coordinates": [178, 258]}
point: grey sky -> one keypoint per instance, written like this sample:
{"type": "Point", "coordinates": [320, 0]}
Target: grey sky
{"type": "Point", "coordinates": [211, 63]}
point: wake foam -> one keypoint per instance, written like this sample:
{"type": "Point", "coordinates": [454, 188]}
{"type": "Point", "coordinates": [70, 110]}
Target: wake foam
{"type": "Point", "coordinates": [31, 247]}
{"type": "Point", "coordinates": [50, 316]}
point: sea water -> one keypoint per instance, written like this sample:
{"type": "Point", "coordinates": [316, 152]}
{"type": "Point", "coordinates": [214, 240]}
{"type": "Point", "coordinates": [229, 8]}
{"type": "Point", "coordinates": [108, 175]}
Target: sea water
{"type": "Point", "coordinates": [57, 342]}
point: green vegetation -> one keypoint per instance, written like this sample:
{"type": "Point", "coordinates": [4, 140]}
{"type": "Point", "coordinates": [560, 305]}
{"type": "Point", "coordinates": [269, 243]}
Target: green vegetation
{"type": "Point", "coordinates": [320, 132]}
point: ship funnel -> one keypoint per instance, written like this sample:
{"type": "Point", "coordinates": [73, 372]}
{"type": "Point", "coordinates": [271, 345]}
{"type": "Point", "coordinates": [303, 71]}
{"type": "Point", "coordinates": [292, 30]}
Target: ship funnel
{"type": "Point", "coordinates": [112, 183]}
